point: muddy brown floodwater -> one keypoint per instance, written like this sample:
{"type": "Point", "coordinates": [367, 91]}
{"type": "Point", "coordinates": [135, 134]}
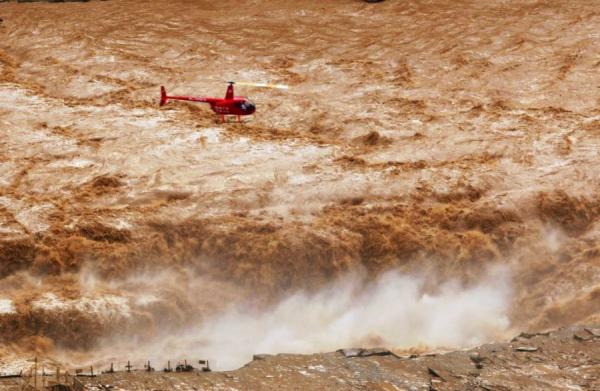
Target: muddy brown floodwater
{"type": "Point", "coordinates": [430, 180]}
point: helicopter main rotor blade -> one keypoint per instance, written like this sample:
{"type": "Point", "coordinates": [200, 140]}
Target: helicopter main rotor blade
{"type": "Point", "coordinates": [263, 85]}
{"type": "Point", "coordinates": [248, 83]}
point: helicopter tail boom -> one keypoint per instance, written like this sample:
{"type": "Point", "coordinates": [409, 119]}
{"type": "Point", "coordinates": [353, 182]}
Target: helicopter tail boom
{"type": "Point", "coordinates": [164, 98]}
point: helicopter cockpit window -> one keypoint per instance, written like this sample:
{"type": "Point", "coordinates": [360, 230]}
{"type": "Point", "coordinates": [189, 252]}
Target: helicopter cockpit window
{"type": "Point", "coordinates": [245, 105]}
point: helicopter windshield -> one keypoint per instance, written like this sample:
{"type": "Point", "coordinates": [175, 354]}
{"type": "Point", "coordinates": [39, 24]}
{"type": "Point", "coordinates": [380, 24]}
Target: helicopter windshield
{"type": "Point", "coordinates": [247, 105]}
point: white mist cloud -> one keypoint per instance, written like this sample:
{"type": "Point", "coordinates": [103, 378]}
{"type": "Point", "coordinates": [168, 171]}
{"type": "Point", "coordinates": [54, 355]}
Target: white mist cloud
{"type": "Point", "coordinates": [7, 306]}
{"type": "Point", "coordinates": [393, 311]}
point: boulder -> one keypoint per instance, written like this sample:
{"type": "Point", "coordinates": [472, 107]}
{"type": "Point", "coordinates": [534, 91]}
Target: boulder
{"type": "Point", "coordinates": [360, 352]}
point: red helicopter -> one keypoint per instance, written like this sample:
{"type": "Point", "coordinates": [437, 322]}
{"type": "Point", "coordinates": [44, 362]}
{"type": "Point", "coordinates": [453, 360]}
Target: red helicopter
{"type": "Point", "coordinates": [230, 105]}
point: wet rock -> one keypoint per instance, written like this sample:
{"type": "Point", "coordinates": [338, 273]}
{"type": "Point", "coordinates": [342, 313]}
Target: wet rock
{"type": "Point", "coordinates": [354, 352]}
{"type": "Point", "coordinates": [526, 349]}
{"type": "Point", "coordinates": [435, 373]}
{"type": "Point", "coordinates": [376, 352]}
{"type": "Point", "coordinates": [477, 359]}
{"type": "Point", "coordinates": [529, 335]}
{"type": "Point", "coordinates": [593, 331]}
{"type": "Point", "coordinates": [359, 352]}
{"type": "Point", "coordinates": [584, 335]}
{"type": "Point", "coordinates": [258, 357]}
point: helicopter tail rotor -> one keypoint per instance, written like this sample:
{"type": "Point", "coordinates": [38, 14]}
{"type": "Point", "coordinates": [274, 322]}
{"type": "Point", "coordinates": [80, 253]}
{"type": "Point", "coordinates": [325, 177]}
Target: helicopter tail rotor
{"type": "Point", "coordinates": [164, 99]}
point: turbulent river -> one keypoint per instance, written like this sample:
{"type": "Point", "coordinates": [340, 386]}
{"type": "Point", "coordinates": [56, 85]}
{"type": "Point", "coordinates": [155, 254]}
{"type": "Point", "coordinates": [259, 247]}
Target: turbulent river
{"type": "Point", "coordinates": [429, 181]}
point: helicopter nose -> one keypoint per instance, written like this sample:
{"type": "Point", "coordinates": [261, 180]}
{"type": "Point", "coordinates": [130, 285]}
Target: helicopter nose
{"type": "Point", "coordinates": [250, 108]}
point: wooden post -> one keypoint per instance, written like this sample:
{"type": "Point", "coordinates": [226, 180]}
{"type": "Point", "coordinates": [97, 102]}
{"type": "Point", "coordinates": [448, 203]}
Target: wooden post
{"type": "Point", "coordinates": [128, 366]}
{"type": "Point", "coordinates": [91, 371]}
